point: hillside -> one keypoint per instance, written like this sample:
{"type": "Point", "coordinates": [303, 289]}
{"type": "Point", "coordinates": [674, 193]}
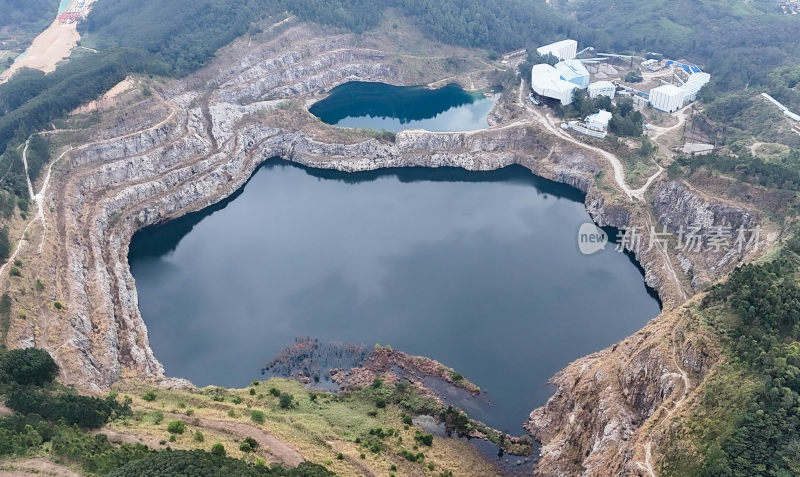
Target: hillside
{"type": "Point", "coordinates": [204, 97]}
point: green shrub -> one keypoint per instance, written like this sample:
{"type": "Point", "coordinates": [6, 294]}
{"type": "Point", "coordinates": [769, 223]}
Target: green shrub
{"type": "Point", "coordinates": [149, 396]}
{"type": "Point", "coordinates": [57, 305]}
{"type": "Point", "coordinates": [158, 417]}
{"type": "Point", "coordinates": [252, 392]}
{"type": "Point", "coordinates": [236, 400]}
{"type": "Point", "coordinates": [248, 445]}
{"type": "Point", "coordinates": [380, 403]}
{"type": "Point", "coordinates": [198, 436]}
{"type": "Point", "coordinates": [218, 449]}
{"type": "Point", "coordinates": [275, 392]}
{"type": "Point", "coordinates": [424, 438]}
{"type": "Point", "coordinates": [257, 416]}
{"type": "Point", "coordinates": [340, 456]}
{"type": "Point", "coordinates": [176, 427]}
{"type": "Point", "coordinates": [14, 272]}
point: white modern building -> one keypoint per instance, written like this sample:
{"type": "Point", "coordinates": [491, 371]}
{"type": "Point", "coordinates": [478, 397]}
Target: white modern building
{"type": "Point", "coordinates": [599, 120]}
{"type": "Point", "coordinates": [668, 98]}
{"type": "Point", "coordinates": [694, 84]}
{"type": "Point", "coordinates": [546, 81]}
{"type": "Point", "coordinates": [574, 72]}
{"type": "Point", "coordinates": [602, 88]}
{"type": "Point", "coordinates": [563, 50]}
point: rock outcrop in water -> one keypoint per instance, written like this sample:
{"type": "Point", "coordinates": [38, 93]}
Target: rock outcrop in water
{"type": "Point", "coordinates": [202, 139]}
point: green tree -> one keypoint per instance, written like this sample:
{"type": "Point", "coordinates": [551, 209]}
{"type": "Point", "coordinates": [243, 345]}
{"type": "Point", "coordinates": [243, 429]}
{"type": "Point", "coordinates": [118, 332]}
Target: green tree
{"type": "Point", "coordinates": [28, 366]}
{"type": "Point", "coordinates": [285, 400]}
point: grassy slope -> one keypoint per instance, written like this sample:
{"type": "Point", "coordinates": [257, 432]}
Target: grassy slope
{"type": "Point", "coordinates": [319, 430]}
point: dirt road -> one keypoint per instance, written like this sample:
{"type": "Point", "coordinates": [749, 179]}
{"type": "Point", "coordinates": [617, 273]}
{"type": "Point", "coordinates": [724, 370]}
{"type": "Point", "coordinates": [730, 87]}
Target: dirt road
{"type": "Point", "coordinates": [616, 165]}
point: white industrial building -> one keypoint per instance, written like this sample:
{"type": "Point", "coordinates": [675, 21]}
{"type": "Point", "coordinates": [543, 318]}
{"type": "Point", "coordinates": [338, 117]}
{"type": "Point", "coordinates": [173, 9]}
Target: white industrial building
{"type": "Point", "coordinates": [563, 50]}
{"type": "Point", "coordinates": [671, 98]}
{"type": "Point", "coordinates": [546, 81]}
{"type": "Point", "coordinates": [599, 120]}
{"type": "Point", "coordinates": [668, 98]}
{"type": "Point", "coordinates": [694, 84]}
{"type": "Point", "coordinates": [602, 88]}
{"type": "Point", "coordinates": [574, 72]}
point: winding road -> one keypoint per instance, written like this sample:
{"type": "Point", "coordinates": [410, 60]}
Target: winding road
{"type": "Point", "coordinates": [619, 171]}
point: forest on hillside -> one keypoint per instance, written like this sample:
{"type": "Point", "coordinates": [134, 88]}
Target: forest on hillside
{"type": "Point", "coordinates": [22, 20]}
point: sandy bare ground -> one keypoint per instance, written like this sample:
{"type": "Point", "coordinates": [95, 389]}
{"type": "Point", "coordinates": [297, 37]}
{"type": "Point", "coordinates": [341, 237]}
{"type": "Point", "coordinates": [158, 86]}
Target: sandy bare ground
{"type": "Point", "coordinates": [278, 450]}
{"type": "Point", "coordinates": [39, 467]}
{"type": "Point", "coordinates": [153, 442]}
{"type": "Point", "coordinates": [51, 46]}
{"type": "Point", "coordinates": [108, 100]}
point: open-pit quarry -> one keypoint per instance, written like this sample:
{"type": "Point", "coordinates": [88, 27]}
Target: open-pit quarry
{"type": "Point", "coordinates": [194, 142]}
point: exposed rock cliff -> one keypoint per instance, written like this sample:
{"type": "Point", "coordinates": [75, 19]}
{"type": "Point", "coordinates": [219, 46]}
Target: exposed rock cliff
{"type": "Point", "coordinates": [203, 138]}
{"type": "Point", "coordinates": [593, 425]}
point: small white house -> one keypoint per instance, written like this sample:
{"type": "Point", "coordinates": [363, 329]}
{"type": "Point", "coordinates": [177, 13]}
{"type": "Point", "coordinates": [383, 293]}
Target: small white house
{"type": "Point", "coordinates": [602, 88]}
{"type": "Point", "coordinates": [598, 120]}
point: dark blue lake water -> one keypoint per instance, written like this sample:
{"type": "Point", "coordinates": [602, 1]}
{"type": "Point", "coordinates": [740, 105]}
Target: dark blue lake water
{"type": "Point", "coordinates": [479, 270]}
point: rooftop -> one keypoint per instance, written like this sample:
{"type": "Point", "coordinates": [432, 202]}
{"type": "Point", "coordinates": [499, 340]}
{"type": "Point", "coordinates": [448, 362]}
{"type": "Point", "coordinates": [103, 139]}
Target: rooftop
{"type": "Point", "coordinates": [668, 89]}
{"type": "Point", "coordinates": [695, 82]}
{"type": "Point", "coordinates": [601, 116]}
{"type": "Point", "coordinates": [559, 44]}
{"type": "Point", "coordinates": [602, 85]}
{"type": "Point", "coordinates": [571, 69]}
{"type": "Point", "coordinates": [545, 76]}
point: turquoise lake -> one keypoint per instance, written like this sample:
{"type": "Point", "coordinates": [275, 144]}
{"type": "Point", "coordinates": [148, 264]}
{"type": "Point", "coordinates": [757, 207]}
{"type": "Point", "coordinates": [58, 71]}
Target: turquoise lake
{"type": "Point", "coordinates": [393, 108]}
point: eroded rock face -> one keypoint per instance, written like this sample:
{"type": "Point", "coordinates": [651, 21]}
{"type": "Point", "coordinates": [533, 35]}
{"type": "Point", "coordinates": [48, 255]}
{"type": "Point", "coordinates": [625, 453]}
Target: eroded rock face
{"type": "Point", "coordinates": [681, 208]}
{"type": "Point", "coordinates": [591, 426]}
{"type": "Point", "coordinates": [203, 138]}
